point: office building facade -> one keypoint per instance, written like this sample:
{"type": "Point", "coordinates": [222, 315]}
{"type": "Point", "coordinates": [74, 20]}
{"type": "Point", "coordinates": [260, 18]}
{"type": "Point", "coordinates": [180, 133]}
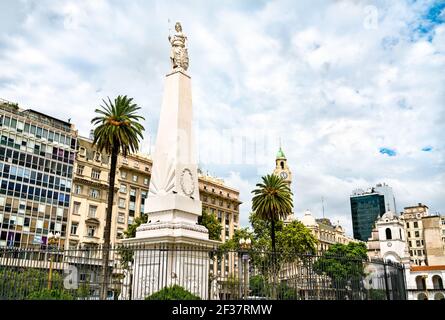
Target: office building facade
{"type": "Point", "coordinates": [37, 154]}
{"type": "Point", "coordinates": [366, 208]}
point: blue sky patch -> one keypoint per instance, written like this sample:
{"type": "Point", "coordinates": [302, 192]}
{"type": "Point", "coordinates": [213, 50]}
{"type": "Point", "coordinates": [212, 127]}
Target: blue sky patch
{"type": "Point", "coordinates": [388, 151]}
{"type": "Point", "coordinates": [436, 12]}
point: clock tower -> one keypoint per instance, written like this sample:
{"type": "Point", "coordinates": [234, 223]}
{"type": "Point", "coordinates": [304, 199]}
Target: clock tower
{"type": "Point", "coordinates": [282, 170]}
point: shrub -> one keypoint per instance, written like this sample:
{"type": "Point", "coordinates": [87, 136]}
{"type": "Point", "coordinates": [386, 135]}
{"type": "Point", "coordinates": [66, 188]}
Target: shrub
{"type": "Point", "coordinates": [377, 294]}
{"type": "Point", "coordinates": [173, 293]}
{"type": "Point", "coordinates": [50, 294]}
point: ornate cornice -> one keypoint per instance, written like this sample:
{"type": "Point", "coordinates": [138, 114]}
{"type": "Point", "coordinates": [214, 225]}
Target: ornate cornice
{"type": "Point", "coordinates": [172, 225]}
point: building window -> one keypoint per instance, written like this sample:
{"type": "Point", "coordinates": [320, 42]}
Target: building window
{"type": "Point", "coordinates": [132, 192]}
{"type": "Point", "coordinates": [204, 198]}
{"type": "Point", "coordinates": [135, 178]}
{"type": "Point", "coordinates": [416, 224]}
{"type": "Point", "coordinates": [78, 189]}
{"type": "Point", "coordinates": [388, 234]}
{"type": "Point", "coordinates": [74, 226]}
{"type": "Point", "coordinates": [146, 181]}
{"type": "Point", "coordinates": [220, 203]}
{"type": "Point", "coordinates": [79, 170]}
{"type": "Point", "coordinates": [418, 243]}
{"type": "Point", "coordinates": [123, 174]}
{"type": "Point", "coordinates": [82, 151]}
{"type": "Point", "coordinates": [121, 218]}
{"type": "Point", "coordinates": [97, 156]}
{"type": "Point", "coordinates": [123, 188]}
{"type": "Point", "coordinates": [437, 282]}
{"type": "Point", "coordinates": [407, 225]}
{"type": "Point", "coordinates": [95, 174]}
{"type": "Point", "coordinates": [76, 207]}
{"type": "Point", "coordinates": [417, 234]}
{"type": "Point", "coordinates": [94, 193]}
{"type": "Point", "coordinates": [122, 203]}
{"type": "Point", "coordinates": [91, 231]}
{"type": "Point", "coordinates": [92, 211]}
{"type": "Point", "coordinates": [409, 234]}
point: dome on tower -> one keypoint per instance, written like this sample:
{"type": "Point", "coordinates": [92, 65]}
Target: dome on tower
{"type": "Point", "coordinates": [280, 154]}
{"type": "Point", "coordinates": [308, 219]}
{"type": "Point", "coordinates": [388, 215]}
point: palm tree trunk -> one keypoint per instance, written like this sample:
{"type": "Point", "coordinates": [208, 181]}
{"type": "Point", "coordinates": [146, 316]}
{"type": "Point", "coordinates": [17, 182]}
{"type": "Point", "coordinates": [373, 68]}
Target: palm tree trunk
{"type": "Point", "coordinates": [274, 273]}
{"type": "Point", "coordinates": [107, 230]}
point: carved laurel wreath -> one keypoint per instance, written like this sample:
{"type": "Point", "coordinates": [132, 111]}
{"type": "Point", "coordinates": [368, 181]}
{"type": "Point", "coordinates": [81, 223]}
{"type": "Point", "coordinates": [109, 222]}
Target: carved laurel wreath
{"type": "Point", "coordinates": [187, 189]}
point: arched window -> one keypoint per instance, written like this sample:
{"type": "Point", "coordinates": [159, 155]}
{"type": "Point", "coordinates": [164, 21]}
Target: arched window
{"type": "Point", "coordinates": [420, 283]}
{"type": "Point", "coordinates": [282, 164]}
{"type": "Point", "coordinates": [400, 232]}
{"type": "Point", "coordinates": [437, 282]}
{"type": "Point", "coordinates": [388, 234]}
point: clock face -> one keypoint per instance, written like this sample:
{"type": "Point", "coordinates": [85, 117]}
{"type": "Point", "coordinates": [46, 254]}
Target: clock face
{"type": "Point", "coordinates": [187, 182]}
{"type": "Point", "coordinates": [283, 175]}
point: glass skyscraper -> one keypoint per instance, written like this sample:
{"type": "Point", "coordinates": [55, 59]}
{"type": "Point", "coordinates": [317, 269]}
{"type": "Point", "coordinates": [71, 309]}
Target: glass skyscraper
{"type": "Point", "coordinates": [37, 153]}
{"type": "Point", "coordinates": [366, 208]}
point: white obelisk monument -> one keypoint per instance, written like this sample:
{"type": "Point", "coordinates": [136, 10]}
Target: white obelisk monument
{"type": "Point", "coordinates": [173, 204]}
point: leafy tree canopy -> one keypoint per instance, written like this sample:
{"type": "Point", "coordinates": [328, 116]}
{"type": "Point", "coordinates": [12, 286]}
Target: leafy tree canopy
{"type": "Point", "coordinates": [343, 263]}
{"type": "Point", "coordinates": [210, 221]}
{"type": "Point", "coordinates": [131, 231]}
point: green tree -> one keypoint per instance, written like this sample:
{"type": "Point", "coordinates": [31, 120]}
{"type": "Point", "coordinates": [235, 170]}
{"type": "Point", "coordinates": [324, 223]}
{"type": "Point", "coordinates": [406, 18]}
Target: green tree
{"type": "Point", "coordinates": [126, 252]}
{"type": "Point", "coordinates": [174, 292]}
{"type": "Point", "coordinates": [210, 221]}
{"type": "Point", "coordinates": [233, 243]}
{"type": "Point", "coordinates": [295, 238]}
{"type": "Point", "coordinates": [117, 131]}
{"type": "Point", "coordinates": [344, 265]}
{"type": "Point", "coordinates": [131, 231]}
{"type": "Point", "coordinates": [272, 201]}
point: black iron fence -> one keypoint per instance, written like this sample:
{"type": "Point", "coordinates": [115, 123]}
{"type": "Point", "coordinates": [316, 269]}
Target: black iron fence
{"type": "Point", "coordinates": [182, 272]}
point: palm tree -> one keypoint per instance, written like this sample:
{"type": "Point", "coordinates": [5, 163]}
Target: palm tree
{"type": "Point", "coordinates": [118, 132]}
{"type": "Point", "coordinates": [272, 201]}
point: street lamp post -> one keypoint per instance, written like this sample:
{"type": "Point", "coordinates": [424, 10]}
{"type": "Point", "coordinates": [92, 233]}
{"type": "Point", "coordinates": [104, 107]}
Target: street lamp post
{"type": "Point", "coordinates": [245, 246]}
{"type": "Point", "coordinates": [52, 240]}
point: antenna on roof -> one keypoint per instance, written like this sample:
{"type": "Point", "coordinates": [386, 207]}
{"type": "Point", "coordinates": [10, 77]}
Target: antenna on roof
{"type": "Point", "coordinates": [322, 205]}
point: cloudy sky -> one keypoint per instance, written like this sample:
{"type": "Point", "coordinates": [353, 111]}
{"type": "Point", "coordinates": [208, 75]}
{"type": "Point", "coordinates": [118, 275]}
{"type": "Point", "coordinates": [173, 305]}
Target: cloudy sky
{"type": "Point", "coordinates": [355, 90]}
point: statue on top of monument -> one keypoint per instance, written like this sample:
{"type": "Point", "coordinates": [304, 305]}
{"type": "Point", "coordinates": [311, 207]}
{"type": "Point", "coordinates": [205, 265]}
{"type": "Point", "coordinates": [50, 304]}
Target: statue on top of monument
{"type": "Point", "coordinates": [179, 55]}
